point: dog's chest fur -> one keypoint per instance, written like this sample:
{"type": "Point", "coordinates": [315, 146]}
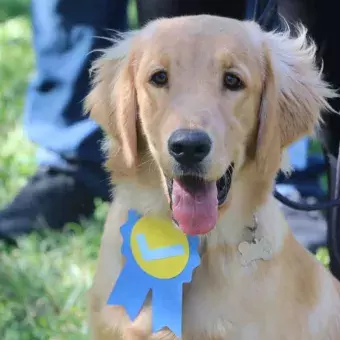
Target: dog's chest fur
{"type": "Point", "coordinates": [289, 295]}
{"type": "Point", "coordinates": [225, 300]}
{"type": "Point", "coordinates": [231, 301]}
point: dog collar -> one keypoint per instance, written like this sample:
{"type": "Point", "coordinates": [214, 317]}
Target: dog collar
{"type": "Point", "coordinates": [160, 258]}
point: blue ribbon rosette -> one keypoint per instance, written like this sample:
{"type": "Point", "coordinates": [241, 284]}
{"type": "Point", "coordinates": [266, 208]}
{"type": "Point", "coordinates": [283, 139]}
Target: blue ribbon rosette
{"type": "Point", "coordinates": [154, 264]}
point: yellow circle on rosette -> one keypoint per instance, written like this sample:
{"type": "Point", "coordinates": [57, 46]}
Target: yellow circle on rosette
{"type": "Point", "coordinates": [159, 248]}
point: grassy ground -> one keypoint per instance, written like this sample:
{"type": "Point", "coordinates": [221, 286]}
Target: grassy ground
{"type": "Point", "coordinates": [43, 281]}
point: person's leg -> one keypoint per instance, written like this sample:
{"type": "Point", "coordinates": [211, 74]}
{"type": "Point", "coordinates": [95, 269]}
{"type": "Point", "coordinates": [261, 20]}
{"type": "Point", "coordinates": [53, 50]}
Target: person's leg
{"type": "Point", "coordinates": [326, 33]}
{"type": "Point", "coordinates": [320, 18]}
{"type": "Point", "coordinates": [153, 9]}
{"type": "Point", "coordinates": [240, 9]}
{"type": "Point", "coordinates": [70, 171]}
{"type": "Point", "coordinates": [65, 34]}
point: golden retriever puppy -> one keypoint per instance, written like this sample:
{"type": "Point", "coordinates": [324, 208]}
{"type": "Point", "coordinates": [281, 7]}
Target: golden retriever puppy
{"type": "Point", "coordinates": [197, 112]}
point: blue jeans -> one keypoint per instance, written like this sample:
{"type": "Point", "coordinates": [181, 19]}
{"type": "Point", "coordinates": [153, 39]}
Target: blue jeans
{"type": "Point", "coordinates": [65, 32]}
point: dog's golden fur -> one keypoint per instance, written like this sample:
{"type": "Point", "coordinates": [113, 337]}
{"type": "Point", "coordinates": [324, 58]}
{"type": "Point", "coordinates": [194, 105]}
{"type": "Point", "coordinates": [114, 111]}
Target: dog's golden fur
{"type": "Point", "coordinates": [290, 296]}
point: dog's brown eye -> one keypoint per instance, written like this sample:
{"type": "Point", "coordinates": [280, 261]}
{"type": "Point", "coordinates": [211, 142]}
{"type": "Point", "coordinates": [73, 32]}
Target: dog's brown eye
{"type": "Point", "coordinates": [159, 79]}
{"type": "Point", "coordinates": [232, 82]}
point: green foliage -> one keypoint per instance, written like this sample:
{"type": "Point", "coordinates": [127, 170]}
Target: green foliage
{"type": "Point", "coordinates": [13, 8]}
{"type": "Point", "coordinates": [323, 256]}
{"type": "Point", "coordinates": [16, 63]}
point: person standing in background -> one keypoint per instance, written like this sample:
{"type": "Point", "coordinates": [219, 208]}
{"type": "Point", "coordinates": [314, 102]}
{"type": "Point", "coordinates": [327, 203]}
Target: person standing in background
{"type": "Point", "coordinates": [70, 173]}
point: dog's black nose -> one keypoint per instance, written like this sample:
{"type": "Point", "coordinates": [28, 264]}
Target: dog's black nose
{"type": "Point", "coordinates": [189, 147]}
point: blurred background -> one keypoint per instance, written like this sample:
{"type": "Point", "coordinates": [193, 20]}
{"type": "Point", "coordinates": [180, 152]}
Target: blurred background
{"type": "Point", "coordinates": [43, 280]}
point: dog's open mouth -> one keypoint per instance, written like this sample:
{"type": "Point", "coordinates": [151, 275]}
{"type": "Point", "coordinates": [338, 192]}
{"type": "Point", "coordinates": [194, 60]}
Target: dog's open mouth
{"type": "Point", "coordinates": [195, 202]}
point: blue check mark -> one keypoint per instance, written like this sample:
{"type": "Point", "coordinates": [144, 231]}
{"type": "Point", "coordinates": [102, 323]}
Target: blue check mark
{"type": "Point", "coordinates": [159, 253]}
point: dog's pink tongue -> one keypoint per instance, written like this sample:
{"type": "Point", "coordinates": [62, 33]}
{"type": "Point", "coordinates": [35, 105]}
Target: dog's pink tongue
{"type": "Point", "coordinates": [195, 210]}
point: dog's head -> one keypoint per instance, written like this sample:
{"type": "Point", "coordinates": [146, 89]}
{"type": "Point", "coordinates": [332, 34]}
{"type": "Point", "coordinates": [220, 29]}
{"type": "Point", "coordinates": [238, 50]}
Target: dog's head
{"type": "Point", "coordinates": [200, 99]}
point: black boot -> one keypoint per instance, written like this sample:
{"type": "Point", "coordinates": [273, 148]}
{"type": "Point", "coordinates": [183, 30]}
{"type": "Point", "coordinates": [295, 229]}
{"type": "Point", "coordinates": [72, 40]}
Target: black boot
{"type": "Point", "coordinates": [51, 198]}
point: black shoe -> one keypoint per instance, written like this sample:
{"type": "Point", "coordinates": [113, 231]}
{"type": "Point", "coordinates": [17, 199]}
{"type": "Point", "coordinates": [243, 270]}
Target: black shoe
{"type": "Point", "coordinates": [51, 198]}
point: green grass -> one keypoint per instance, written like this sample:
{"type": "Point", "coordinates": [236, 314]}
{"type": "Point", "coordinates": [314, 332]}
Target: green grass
{"type": "Point", "coordinates": [43, 281]}
{"type": "Point", "coordinates": [43, 285]}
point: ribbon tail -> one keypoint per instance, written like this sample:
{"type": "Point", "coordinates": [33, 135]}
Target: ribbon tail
{"type": "Point", "coordinates": [167, 308]}
{"type": "Point", "coordinates": [129, 293]}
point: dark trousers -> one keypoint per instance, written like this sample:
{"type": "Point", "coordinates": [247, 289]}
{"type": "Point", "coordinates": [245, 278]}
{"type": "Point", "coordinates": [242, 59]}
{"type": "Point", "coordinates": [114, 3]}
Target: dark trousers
{"type": "Point", "coordinates": [64, 35]}
{"type": "Point", "coordinates": [321, 19]}
{"type": "Point", "coordinates": [323, 22]}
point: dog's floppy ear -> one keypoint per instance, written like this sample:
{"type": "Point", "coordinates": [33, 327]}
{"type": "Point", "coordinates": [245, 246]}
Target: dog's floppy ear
{"type": "Point", "coordinates": [112, 104]}
{"type": "Point", "coordinates": [293, 96]}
